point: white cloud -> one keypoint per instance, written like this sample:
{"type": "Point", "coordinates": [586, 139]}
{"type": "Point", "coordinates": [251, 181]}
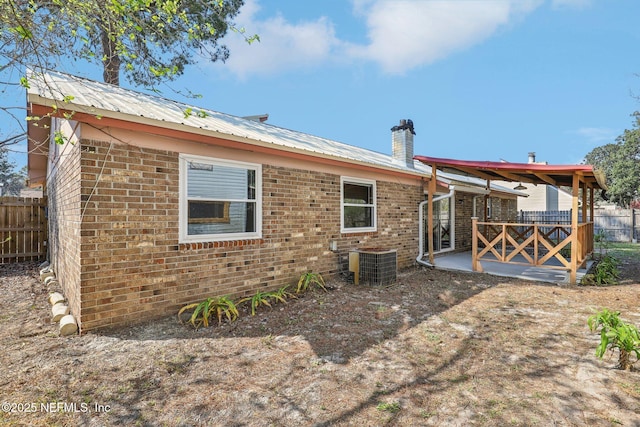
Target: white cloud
{"type": "Point", "coordinates": [401, 34]}
{"type": "Point", "coordinates": [406, 34]}
{"type": "Point", "coordinates": [283, 45]}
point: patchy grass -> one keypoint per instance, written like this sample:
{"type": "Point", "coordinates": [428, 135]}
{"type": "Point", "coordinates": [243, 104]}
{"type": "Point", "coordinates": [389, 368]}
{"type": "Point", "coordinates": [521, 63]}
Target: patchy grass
{"type": "Point", "coordinates": [624, 251]}
{"type": "Point", "coordinates": [436, 348]}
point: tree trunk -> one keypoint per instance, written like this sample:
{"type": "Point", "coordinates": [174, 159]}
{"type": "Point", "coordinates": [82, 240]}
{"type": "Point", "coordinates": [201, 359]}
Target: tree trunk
{"type": "Point", "coordinates": [111, 61]}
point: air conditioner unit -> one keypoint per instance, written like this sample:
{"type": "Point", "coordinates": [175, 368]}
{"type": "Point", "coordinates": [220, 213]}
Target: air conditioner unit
{"type": "Point", "coordinates": [373, 266]}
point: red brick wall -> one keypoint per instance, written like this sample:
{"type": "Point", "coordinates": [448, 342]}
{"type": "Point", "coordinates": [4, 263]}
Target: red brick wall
{"type": "Point", "coordinates": [133, 267]}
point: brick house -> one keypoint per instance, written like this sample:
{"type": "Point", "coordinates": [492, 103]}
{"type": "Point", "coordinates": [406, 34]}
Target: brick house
{"type": "Point", "coordinates": [154, 204]}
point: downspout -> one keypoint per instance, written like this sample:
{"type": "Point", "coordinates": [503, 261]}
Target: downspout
{"type": "Point", "coordinates": [419, 259]}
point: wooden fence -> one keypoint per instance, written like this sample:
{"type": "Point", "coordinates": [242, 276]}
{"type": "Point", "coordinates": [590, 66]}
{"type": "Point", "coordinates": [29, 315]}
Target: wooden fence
{"type": "Point", "coordinates": [23, 229]}
{"type": "Point", "coordinates": [618, 225]}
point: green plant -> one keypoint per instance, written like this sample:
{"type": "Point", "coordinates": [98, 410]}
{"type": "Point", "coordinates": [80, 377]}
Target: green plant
{"type": "Point", "coordinates": [266, 298]}
{"type": "Point", "coordinates": [605, 272]}
{"type": "Point", "coordinates": [601, 241]}
{"type": "Point", "coordinates": [392, 407]}
{"type": "Point", "coordinates": [310, 280]}
{"type": "Point", "coordinates": [282, 294]}
{"type": "Point", "coordinates": [427, 414]}
{"type": "Point", "coordinates": [615, 333]}
{"type": "Point", "coordinates": [215, 306]}
{"type": "Point", "coordinates": [260, 298]}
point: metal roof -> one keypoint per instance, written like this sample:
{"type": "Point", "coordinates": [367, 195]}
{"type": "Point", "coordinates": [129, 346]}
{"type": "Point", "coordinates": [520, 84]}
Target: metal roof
{"type": "Point", "coordinates": [101, 99]}
{"type": "Point", "coordinates": [105, 99]}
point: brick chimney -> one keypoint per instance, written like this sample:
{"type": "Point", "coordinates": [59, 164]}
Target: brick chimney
{"type": "Point", "coordinates": [402, 142]}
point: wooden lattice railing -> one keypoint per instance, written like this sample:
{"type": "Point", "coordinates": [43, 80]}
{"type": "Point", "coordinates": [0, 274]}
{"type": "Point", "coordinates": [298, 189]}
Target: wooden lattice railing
{"type": "Point", "coordinates": [532, 244]}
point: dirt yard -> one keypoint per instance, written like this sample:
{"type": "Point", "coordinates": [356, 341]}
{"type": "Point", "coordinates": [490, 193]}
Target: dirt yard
{"type": "Point", "coordinates": [435, 349]}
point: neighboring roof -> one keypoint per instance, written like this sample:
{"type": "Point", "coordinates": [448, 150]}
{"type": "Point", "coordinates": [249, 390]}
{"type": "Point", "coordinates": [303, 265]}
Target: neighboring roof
{"type": "Point", "coordinates": [536, 173]}
{"type": "Point", "coordinates": [104, 100]}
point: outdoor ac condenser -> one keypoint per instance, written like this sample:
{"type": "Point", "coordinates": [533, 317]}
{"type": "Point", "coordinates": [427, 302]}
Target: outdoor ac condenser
{"type": "Point", "coordinates": [373, 266]}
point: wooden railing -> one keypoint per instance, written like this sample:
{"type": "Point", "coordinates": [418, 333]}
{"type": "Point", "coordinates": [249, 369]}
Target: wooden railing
{"type": "Point", "coordinates": [585, 241]}
{"type": "Point", "coordinates": [530, 244]}
{"type": "Point", "coordinates": [23, 229]}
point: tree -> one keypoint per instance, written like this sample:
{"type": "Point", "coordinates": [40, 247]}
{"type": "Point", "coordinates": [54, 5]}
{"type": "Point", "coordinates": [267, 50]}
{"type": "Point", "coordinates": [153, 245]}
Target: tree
{"type": "Point", "coordinates": [149, 40]}
{"type": "Point", "coordinates": [620, 162]}
{"type": "Point", "coordinates": [11, 182]}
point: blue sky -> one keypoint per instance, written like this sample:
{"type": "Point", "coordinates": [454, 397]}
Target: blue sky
{"type": "Point", "coordinates": [481, 80]}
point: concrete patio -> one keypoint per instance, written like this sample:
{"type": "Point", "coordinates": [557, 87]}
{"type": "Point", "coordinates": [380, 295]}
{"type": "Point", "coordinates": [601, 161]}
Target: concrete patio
{"type": "Point", "coordinates": [461, 261]}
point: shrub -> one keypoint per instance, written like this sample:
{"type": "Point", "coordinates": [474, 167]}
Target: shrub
{"type": "Point", "coordinates": [605, 272]}
{"type": "Point", "coordinates": [216, 306]}
{"type": "Point", "coordinates": [267, 298]}
{"type": "Point", "coordinates": [282, 294]}
{"type": "Point", "coordinates": [260, 298]}
{"type": "Point", "coordinates": [310, 280]}
{"type": "Point", "coordinates": [615, 333]}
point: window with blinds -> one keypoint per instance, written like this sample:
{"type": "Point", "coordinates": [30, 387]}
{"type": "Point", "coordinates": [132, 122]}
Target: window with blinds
{"type": "Point", "coordinates": [219, 200]}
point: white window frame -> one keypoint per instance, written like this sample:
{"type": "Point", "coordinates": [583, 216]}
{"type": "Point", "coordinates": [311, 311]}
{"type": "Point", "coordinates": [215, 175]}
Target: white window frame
{"type": "Point", "coordinates": [374, 205]}
{"type": "Point", "coordinates": [183, 210]}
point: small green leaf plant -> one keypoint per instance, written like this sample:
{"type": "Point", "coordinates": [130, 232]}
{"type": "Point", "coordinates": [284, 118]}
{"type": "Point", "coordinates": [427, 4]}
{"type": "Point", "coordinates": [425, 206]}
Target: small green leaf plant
{"type": "Point", "coordinates": [224, 307]}
{"type": "Point", "coordinates": [282, 294]}
{"type": "Point", "coordinates": [260, 298]}
{"type": "Point", "coordinates": [217, 307]}
{"type": "Point", "coordinates": [310, 281]}
{"type": "Point", "coordinates": [391, 407]}
{"type": "Point", "coordinates": [267, 298]}
{"type": "Point", "coordinates": [615, 333]}
{"type": "Point", "coordinates": [605, 272]}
